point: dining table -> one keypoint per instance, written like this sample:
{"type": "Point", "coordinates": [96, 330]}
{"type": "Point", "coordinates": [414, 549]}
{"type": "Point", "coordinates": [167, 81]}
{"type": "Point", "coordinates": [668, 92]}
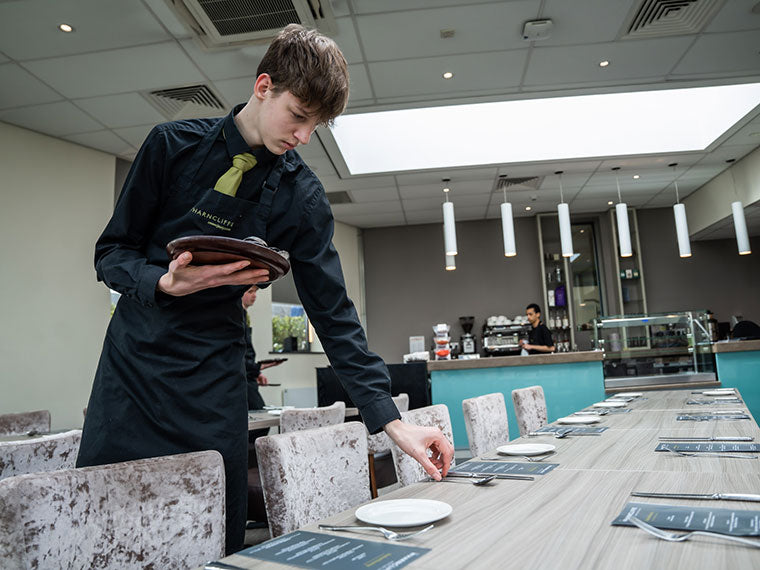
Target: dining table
{"type": "Point", "coordinates": [562, 519]}
{"type": "Point", "coordinates": [258, 419]}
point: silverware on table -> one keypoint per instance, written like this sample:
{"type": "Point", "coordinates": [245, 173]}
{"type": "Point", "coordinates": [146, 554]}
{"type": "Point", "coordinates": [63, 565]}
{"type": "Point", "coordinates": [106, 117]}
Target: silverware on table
{"type": "Point", "coordinates": [680, 537]}
{"type": "Point", "coordinates": [468, 475]}
{"type": "Point", "coordinates": [564, 434]}
{"type": "Point", "coordinates": [710, 454]}
{"type": "Point", "coordinates": [389, 534]}
{"type": "Point", "coordinates": [477, 482]}
{"type": "Point", "coordinates": [217, 565]}
{"type": "Point", "coordinates": [531, 458]}
{"type": "Point", "coordinates": [726, 438]}
{"type": "Point", "coordinates": [591, 413]}
{"type": "Point", "coordinates": [710, 496]}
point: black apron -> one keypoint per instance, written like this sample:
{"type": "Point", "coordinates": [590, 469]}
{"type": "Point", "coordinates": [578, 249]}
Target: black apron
{"type": "Point", "coordinates": [171, 379]}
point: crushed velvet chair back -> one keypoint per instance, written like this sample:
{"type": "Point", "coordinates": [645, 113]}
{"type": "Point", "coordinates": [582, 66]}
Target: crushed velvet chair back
{"type": "Point", "coordinates": [164, 512]}
{"type": "Point", "coordinates": [380, 442]}
{"type": "Point", "coordinates": [530, 408]}
{"type": "Point", "coordinates": [312, 474]}
{"type": "Point", "coordinates": [408, 471]}
{"type": "Point", "coordinates": [43, 453]}
{"type": "Point", "coordinates": [17, 424]}
{"type": "Point", "coordinates": [485, 419]}
{"type": "Point", "coordinates": [309, 418]}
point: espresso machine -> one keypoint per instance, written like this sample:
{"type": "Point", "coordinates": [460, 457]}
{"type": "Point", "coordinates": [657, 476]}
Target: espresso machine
{"type": "Point", "coordinates": [467, 340]}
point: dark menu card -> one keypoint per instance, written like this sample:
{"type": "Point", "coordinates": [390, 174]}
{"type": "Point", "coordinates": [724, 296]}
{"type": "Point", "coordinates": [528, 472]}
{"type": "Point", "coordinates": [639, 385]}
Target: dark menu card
{"type": "Point", "coordinates": [571, 429]}
{"type": "Point", "coordinates": [508, 467]}
{"type": "Point", "coordinates": [317, 550]}
{"type": "Point", "coordinates": [733, 401]}
{"type": "Point", "coordinates": [675, 517]}
{"type": "Point", "coordinates": [712, 447]}
{"type": "Point", "coordinates": [710, 417]}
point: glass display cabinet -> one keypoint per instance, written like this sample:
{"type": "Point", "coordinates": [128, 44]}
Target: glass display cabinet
{"type": "Point", "coordinates": [655, 348]}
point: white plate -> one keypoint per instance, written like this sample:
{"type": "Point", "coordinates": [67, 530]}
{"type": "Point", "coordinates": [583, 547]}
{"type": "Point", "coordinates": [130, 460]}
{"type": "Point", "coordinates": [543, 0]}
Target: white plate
{"type": "Point", "coordinates": [719, 393]}
{"type": "Point", "coordinates": [629, 395]}
{"type": "Point", "coordinates": [525, 449]}
{"type": "Point", "coordinates": [579, 420]}
{"type": "Point", "coordinates": [403, 512]}
{"type": "Point", "coordinates": [611, 404]}
{"type": "Point", "coordinates": [275, 412]}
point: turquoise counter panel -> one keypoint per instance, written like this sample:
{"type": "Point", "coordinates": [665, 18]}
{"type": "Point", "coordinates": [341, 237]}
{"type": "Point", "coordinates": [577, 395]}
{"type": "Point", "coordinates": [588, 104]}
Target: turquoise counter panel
{"type": "Point", "coordinates": [567, 387]}
{"type": "Point", "coordinates": [742, 370]}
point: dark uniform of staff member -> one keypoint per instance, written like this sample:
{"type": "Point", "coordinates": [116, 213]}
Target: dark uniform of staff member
{"type": "Point", "coordinates": [171, 376]}
{"type": "Point", "coordinates": [539, 337]}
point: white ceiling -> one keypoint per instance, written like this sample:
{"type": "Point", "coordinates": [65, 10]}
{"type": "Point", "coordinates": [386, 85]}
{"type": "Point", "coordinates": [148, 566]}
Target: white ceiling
{"type": "Point", "coordinates": [86, 87]}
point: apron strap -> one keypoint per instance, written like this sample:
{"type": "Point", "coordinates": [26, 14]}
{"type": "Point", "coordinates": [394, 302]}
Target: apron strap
{"type": "Point", "coordinates": [268, 190]}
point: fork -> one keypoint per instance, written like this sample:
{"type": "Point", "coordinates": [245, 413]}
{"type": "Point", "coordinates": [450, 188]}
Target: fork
{"type": "Point", "coordinates": [709, 453]}
{"type": "Point", "coordinates": [389, 534]}
{"type": "Point", "coordinates": [532, 459]}
{"type": "Point", "coordinates": [680, 537]}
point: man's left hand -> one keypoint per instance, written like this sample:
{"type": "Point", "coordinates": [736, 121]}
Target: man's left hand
{"type": "Point", "coordinates": [417, 440]}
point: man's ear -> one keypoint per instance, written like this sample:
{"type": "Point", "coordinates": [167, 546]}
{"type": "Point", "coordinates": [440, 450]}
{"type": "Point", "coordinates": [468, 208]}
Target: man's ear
{"type": "Point", "coordinates": [263, 84]}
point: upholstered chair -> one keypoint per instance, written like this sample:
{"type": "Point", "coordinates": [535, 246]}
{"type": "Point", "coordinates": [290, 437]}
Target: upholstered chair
{"type": "Point", "coordinates": [485, 419]}
{"type": "Point", "coordinates": [164, 512]}
{"type": "Point", "coordinates": [312, 474]}
{"type": "Point", "coordinates": [43, 453]}
{"type": "Point", "coordinates": [309, 418]}
{"type": "Point", "coordinates": [379, 444]}
{"type": "Point", "coordinates": [530, 408]}
{"type": "Point", "coordinates": [16, 424]}
{"type": "Point", "coordinates": [408, 471]}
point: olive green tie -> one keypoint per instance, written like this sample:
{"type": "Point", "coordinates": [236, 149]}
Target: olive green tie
{"type": "Point", "coordinates": [230, 180]}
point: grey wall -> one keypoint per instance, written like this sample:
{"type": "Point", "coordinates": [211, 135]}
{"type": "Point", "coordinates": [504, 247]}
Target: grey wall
{"type": "Point", "coordinates": [408, 289]}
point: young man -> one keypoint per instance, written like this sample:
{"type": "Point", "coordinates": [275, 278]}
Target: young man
{"type": "Point", "coordinates": [539, 337]}
{"type": "Point", "coordinates": [171, 377]}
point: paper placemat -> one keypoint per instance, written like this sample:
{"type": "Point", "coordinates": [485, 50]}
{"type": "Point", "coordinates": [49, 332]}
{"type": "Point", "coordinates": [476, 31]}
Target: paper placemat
{"type": "Point", "coordinates": [711, 447]}
{"type": "Point", "coordinates": [507, 467]}
{"type": "Point", "coordinates": [735, 522]}
{"type": "Point", "coordinates": [710, 417]}
{"type": "Point", "coordinates": [572, 429]}
{"type": "Point", "coordinates": [318, 550]}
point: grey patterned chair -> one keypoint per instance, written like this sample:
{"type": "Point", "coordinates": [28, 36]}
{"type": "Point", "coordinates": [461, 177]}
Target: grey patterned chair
{"type": "Point", "coordinates": [17, 424]}
{"type": "Point", "coordinates": [309, 418]}
{"type": "Point", "coordinates": [379, 444]}
{"type": "Point", "coordinates": [164, 512]}
{"type": "Point", "coordinates": [530, 408]}
{"type": "Point", "coordinates": [312, 474]}
{"type": "Point", "coordinates": [485, 419]}
{"type": "Point", "coordinates": [44, 453]}
{"type": "Point", "coordinates": [408, 471]}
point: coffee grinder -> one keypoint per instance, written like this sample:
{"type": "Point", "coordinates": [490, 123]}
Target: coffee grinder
{"type": "Point", "coordinates": [467, 340]}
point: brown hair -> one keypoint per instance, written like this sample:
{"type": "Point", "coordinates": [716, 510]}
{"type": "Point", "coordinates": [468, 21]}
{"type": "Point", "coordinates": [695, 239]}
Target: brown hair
{"type": "Point", "coordinates": [310, 66]}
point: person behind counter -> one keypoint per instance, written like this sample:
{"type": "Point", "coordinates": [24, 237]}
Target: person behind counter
{"type": "Point", "coordinates": [540, 337]}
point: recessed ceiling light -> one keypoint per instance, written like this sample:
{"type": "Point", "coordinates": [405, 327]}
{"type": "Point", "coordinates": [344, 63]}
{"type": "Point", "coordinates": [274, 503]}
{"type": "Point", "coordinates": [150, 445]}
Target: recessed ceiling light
{"type": "Point", "coordinates": [527, 208]}
{"type": "Point", "coordinates": [66, 28]}
{"type": "Point", "coordinates": [448, 75]}
{"type": "Point", "coordinates": [604, 63]}
{"type": "Point", "coordinates": [583, 231]}
{"type": "Point", "coordinates": [635, 176]}
{"type": "Point", "coordinates": [609, 203]}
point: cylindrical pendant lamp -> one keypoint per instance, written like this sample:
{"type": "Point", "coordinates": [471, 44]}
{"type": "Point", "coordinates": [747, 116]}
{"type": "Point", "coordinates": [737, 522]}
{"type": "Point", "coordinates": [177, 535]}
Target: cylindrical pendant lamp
{"type": "Point", "coordinates": [508, 229]}
{"type": "Point", "coordinates": [682, 230]}
{"type": "Point", "coordinates": [740, 227]}
{"type": "Point", "coordinates": [624, 232]}
{"type": "Point", "coordinates": [563, 212]}
{"type": "Point", "coordinates": [451, 263]}
{"type": "Point", "coordinates": [449, 228]}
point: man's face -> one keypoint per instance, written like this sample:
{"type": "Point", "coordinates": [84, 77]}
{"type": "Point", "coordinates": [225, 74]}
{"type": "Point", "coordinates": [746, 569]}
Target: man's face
{"type": "Point", "coordinates": [533, 316]}
{"type": "Point", "coordinates": [249, 297]}
{"type": "Point", "coordinates": [285, 122]}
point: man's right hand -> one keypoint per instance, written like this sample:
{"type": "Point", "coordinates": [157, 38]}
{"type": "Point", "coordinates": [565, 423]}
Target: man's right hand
{"type": "Point", "coordinates": [184, 279]}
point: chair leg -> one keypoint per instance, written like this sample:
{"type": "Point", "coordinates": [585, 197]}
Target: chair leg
{"type": "Point", "coordinates": [372, 480]}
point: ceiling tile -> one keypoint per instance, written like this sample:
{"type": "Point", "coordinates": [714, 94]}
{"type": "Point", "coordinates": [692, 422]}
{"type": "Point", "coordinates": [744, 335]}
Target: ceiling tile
{"type": "Point", "coordinates": [134, 135]}
{"type": "Point", "coordinates": [369, 195]}
{"type": "Point", "coordinates": [747, 135]}
{"type": "Point", "coordinates": [457, 176]}
{"type": "Point", "coordinates": [460, 189]}
{"type": "Point", "coordinates": [472, 72]}
{"type": "Point", "coordinates": [3, 59]}
{"type": "Point", "coordinates": [102, 140]}
{"type": "Point", "coordinates": [575, 22]}
{"type": "Point", "coordinates": [125, 110]}
{"type": "Point", "coordinates": [642, 163]}
{"type": "Point", "coordinates": [367, 209]}
{"type": "Point", "coordinates": [335, 183]}
{"type": "Point", "coordinates": [734, 16]}
{"type": "Point", "coordinates": [228, 63]}
{"type": "Point", "coordinates": [341, 8]}
{"type": "Point", "coordinates": [117, 71]}
{"type": "Point", "coordinates": [347, 40]}
{"type": "Point", "coordinates": [374, 7]}
{"type": "Point", "coordinates": [570, 168]}
{"type": "Point", "coordinates": [21, 88]}
{"type": "Point", "coordinates": [628, 60]}
{"type": "Point", "coordinates": [168, 18]}
{"type": "Point", "coordinates": [29, 29]}
{"type": "Point", "coordinates": [721, 53]}
{"type": "Point", "coordinates": [424, 217]}
{"type": "Point", "coordinates": [373, 220]}
{"type": "Point", "coordinates": [236, 90]}
{"type": "Point", "coordinates": [478, 28]}
{"type": "Point", "coordinates": [55, 119]}
{"type": "Point", "coordinates": [461, 203]}
{"type": "Point", "coordinates": [359, 80]}
{"type": "Point", "coordinates": [726, 152]}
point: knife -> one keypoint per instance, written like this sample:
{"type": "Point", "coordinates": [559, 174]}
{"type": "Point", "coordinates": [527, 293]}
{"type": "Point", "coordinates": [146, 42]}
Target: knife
{"type": "Point", "coordinates": [469, 475]}
{"type": "Point", "coordinates": [731, 438]}
{"type": "Point", "coordinates": [714, 496]}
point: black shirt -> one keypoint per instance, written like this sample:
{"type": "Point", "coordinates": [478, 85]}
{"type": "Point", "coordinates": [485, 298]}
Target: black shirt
{"type": "Point", "coordinates": [300, 222]}
{"type": "Point", "coordinates": [541, 336]}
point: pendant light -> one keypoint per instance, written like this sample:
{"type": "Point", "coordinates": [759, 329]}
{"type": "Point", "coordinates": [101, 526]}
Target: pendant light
{"type": "Point", "coordinates": [740, 224]}
{"type": "Point", "coordinates": [508, 227]}
{"type": "Point", "coordinates": [563, 211]}
{"type": "Point", "coordinates": [624, 231]}
{"type": "Point", "coordinates": [449, 229]}
{"type": "Point", "coordinates": [682, 228]}
{"type": "Point", "coordinates": [451, 263]}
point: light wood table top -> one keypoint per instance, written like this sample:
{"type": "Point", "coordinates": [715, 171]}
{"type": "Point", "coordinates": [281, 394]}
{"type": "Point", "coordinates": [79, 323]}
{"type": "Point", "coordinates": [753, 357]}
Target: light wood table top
{"type": "Point", "coordinates": [562, 519]}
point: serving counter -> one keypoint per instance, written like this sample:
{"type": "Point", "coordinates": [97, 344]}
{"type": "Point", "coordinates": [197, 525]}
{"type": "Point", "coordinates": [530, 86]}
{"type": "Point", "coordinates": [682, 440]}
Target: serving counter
{"type": "Point", "coordinates": [571, 381]}
{"type": "Point", "coordinates": [738, 366]}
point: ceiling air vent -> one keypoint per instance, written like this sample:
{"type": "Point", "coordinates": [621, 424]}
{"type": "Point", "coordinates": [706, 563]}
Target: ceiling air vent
{"type": "Point", "coordinates": [234, 23]}
{"type": "Point", "coordinates": [518, 184]}
{"type": "Point", "coordinates": [657, 18]}
{"type": "Point", "coordinates": [339, 198]}
{"type": "Point", "coordinates": [190, 102]}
